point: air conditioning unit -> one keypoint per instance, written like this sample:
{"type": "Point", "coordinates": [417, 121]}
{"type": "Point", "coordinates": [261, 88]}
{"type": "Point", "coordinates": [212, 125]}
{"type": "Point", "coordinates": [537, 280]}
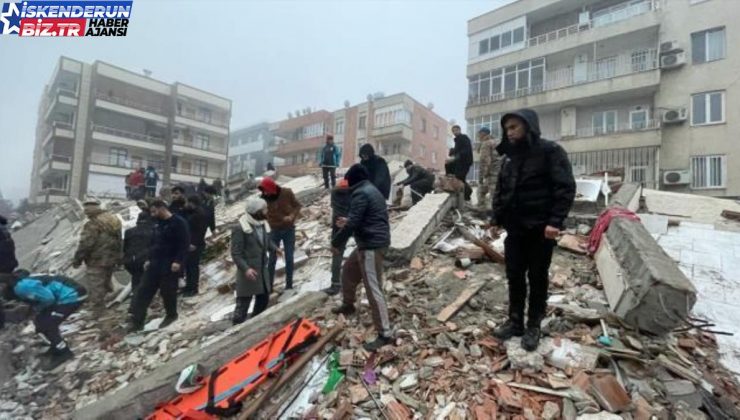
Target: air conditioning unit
{"type": "Point", "coordinates": [675, 116]}
{"type": "Point", "coordinates": [584, 19]}
{"type": "Point", "coordinates": [672, 60]}
{"type": "Point", "coordinates": [669, 46]}
{"type": "Point", "coordinates": [680, 177]}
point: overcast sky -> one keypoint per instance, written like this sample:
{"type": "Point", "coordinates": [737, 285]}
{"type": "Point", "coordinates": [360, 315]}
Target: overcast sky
{"type": "Point", "coordinates": [268, 57]}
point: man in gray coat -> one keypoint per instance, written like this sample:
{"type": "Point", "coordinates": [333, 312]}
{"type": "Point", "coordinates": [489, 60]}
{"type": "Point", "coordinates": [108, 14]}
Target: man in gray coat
{"type": "Point", "coordinates": [250, 243]}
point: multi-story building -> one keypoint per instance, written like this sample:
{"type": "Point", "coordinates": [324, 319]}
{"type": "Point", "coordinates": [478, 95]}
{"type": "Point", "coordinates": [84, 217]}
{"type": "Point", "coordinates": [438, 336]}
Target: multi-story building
{"type": "Point", "coordinates": [398, 127]}
{"type": "Point", "coordinates": [97, 122]}
{"type": "Point", "coordinates": [250, 149]}
{"type": "Point", "coordinates": [643, 86]}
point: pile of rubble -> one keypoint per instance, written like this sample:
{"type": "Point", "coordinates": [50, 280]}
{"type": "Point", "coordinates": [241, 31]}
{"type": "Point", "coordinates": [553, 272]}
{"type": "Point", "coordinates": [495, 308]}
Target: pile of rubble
{"type": "Point", "coordinates": [446, 295]}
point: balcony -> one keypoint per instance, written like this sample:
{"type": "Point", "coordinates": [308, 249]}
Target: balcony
{"type": "Point", "coordinates": [187, 146]}
{"type": "Point", "coordinates": [591, 79]}
{"type": "Point", "coordinates": [311, 145]}
{"type": "Point", "coordinates": [52, 195]}
{"type": "Point", "coordinates": [130, 107]}
{"type": "Point", "coordinates": [127, 138]}
{"type": "Point", "coordinates": [55, 163]}
{"type": "Point", "coordinates": [398, 131]}
{"type": "Point", "coordinates": [638, 164]}
{"type": "Point", "coordinates": [61, 96]}
{"type": "Point", "coordinates": [622, 136]}
{"type": "Point", "coordinates": [113, 165]}
{"type": "Point", "coordinates": [59, 129]}
{"type": "Point", "coordinates": [213, 125]}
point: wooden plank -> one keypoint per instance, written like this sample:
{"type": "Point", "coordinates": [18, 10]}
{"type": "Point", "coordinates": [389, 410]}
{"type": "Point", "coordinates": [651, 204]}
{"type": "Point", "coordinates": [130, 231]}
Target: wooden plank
{"type": "Point", "coordinates": [732, 215]}
{"type": "Point", "coordinates": [494, 255]}
{"type": "Point", "coordinates": [461, 300]}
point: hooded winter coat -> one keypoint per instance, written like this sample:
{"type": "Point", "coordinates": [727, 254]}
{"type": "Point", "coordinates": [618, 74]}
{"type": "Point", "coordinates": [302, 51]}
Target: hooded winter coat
{"type": "Point", "coordinates": [535, 186]}
{"type": "Point", "coordinates": [368, 215]}
{"type": "Point", "coordinates": [377, 167]}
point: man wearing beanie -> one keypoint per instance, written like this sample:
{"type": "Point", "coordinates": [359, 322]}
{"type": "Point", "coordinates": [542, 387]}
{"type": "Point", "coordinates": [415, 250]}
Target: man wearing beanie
{"type": "Point", "coordinates": [490, 162]}
{"type": "Point", "coordinates": [368, 223]}
{"type": "Point", "coordinates": [283, 210]}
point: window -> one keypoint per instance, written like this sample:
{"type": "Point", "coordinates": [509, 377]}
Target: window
{"type": "Point", "coordinates": [490, 121]}
{"type": "Point", "coordinates": [483, 47]}
{"type": "Point", "coordinates": [204, 114]}
{"type": "Point", "coordinates": [708, 45]}
{"type": "Point", "coordinates": [505, 39]}
{"type": "Point", "coordinates": [640, 60]}
{"type": "Point", "coordinates": [604, 122]}
{"type": "Point", "coordinates": [339, 127]}
{"type": "Point", "coordinates": [495, 43]}
{"type": "Point", "coordinates": [200, 167]}
{"type": "Point", "coordinates": [708, 171]}
{"type": "Point", "coordinates": [638, 119]}
{"type": "Point", "coordinates": [201, 141]}
{"type": "Point", "coordinates": [638, 174]}
{"type": "Point", "coordinates": [436, 132]}
{"type": "Point", "coordinates": [313, 130]}
{"type": "Point", "coordinates": [606, 68]}
{"type": "Point", "coordinates": [518, 35]}
{"type": "Point", "coordinates": [117, 157]}
{"type": "Point", "coordinates": [708, 108]}
{"type": "Point", "coordinates": [363, 122]}
{"type": "Point", "coordinates": [423, 125]}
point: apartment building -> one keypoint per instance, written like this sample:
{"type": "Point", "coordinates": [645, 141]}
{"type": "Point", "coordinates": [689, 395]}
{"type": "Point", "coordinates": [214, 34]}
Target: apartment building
{"type": "Point", "coordinates": [398, 127]}
{"type": "Point", "coordinates": [641, 86]}
{"type": "Point", "coordinates": [97, 122]}
{"type": "Point", "coordinates": [250, 149]}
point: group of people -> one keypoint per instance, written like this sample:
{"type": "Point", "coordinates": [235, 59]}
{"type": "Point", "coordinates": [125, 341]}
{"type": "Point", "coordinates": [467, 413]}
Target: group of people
{"type": "Point", "coordinates": [141, 183]}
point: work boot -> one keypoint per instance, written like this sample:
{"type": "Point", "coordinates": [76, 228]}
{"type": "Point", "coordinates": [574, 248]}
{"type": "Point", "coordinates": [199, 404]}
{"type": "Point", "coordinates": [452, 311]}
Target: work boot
{"type": "Point", "coordinates": [333, 290]}
{"type": "Point", "coordinates": [169, 319]}
{"type": "Point", "coordinates": [189, 293]}
{"type": "Point", "coordinates": [379, 342]}
{"type": "Point", "coordinates": [56, 359]}
{"type": "Point", "coordinates": [134, 327]}
{"type": "Point", "coordinates": [509, 329]}
{"type": "Point", "coordinates": [344, 309]}
{"type": "Point", "coordinates": [531, 339]}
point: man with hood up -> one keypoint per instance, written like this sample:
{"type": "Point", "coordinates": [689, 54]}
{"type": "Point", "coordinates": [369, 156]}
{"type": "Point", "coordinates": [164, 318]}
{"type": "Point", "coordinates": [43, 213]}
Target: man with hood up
{"type": "Point", "coordinates": [368, 223]}
{"type": "Point", "coordinates": [101, 249]}
{"type": "Point", "coordinates": [534, 193]}
{"type": "Point", "coordinates": [377, 169]}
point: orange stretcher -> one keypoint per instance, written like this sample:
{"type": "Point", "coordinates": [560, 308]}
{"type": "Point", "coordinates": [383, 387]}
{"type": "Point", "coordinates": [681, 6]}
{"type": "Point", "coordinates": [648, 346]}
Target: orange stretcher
{"type": "Point", "coordinates": [228, 385]}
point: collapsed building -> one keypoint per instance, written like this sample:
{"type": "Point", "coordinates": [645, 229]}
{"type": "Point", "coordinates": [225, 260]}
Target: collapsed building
{"type": "Point", "coordinates": [639, 330]}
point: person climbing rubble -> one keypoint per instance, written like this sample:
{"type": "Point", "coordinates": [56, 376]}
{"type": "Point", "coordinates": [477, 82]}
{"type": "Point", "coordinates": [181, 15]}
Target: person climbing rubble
{"type": "Point", "coordinates": [283, 209]}
{"type": "Point", "coordinates": [329, 158]}
{"type": "Point", "coordinates": [341, 197]}
{"type": "Point", "coordinates": [368, 223]}
{"type": "Point", "coordinates": [197, 220]}
{"type": "Point", "coordinates": [534, 192]}
{"type": "Point", "coordinates": [420, 180]}
{"type": "Point", "coordinates": [460, 159]}
{"type": "Point", "coordinates": [136, 241]}
{"type": "Point", "coordinates": [490, 163]}
{"type": "Point", "coordinates": [53, 299]}
{"type": "Point", "coordinates": [8, 262]}
{"type": "Point", "coordinates": [167, 253]}
{"type": "Point", "coordinates": [101, 250]}
{"type": "Point", "coordinates": [377, 169]}
{"type": "Point", "coordinates": [250, 244]}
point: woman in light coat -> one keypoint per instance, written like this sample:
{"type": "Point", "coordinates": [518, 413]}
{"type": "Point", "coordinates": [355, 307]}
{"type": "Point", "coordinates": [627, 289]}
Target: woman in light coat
{"type": "Point", "coordinates": [250, 244]}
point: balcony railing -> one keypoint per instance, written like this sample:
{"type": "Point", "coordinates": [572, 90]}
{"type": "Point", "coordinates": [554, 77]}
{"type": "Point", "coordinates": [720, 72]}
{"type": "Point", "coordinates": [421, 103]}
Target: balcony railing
{"type": "Point", "coordinates": [192, 171]}
{"type": "Point", "coordinates": [127, 134]}
{"type": "Point", "coordinates": [617, 129]}
{"type": "Point", "coordinates": [212, 121]}
{"type": "Point", "coordinates": [129, 103]}
{"type": "Point", "coordinates": [56, 158]}
{"type": "Point", "coordinates": [582, 73]}
{"type": "Point", "coordinates": [616, 13]}
{"type": "Point", "coordinates": [125, 162]}
{"type": "Point", "coordinates": [200, 146]}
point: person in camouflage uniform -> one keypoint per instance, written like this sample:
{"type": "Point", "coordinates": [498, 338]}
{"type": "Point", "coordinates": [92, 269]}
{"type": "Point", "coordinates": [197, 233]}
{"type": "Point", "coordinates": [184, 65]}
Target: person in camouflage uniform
{"type": "Point", "coordinates": [101, 249]}
{"type": "Point", "coordinates": [490, 162]}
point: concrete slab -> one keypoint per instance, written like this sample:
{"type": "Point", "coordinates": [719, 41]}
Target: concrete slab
{"type": "Point", "coordinates": [420, 222]}
{"type": "Point", "coordinates": [703, 259]}
{"type": "Point", "coordinates": [655, 224]}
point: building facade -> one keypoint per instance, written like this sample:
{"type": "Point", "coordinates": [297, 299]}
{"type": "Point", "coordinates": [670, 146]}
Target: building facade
{"type": "Point", "coordinates": [643, 86]}
{"type": "Point", "coordinates": [97, 122]}
{"type": "Point", "coordinates": [398, 127]}
{"type": "Point", "coordinates": [250, 149]}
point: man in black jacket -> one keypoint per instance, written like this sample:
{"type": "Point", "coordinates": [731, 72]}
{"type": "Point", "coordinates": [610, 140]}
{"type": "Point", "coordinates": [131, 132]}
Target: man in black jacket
{"type": "Point", "coordinates": [420, 180]}
{"type": "Point", "coordinates": [177, 200]}
{"type": "Point", "coordinates": [209, 206]}
{"type": "Point", "coordinates": [368, 222]}
{"type": "Point", "coordinates": [461, 159]}
{"type": "Point", "coordinates": [8, 262]}
{"type": "Point", "coordinates": [136, 243]}
{"type": "Point", "coordinates": [377, 169]}
{"type": "Point", "coordinates": [535, 191]}
{"type": "Point", "coordinates": [197, 224]}
{"type": "Point", "coordinates": [169, 248]}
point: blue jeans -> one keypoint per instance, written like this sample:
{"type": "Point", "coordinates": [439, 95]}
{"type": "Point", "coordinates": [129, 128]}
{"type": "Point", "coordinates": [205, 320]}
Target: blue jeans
{"type": "Point", "coordinates": [287, 237]}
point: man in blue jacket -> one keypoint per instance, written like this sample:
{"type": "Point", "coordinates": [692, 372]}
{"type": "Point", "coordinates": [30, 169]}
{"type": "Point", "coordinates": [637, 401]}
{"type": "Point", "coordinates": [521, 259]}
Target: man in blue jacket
{"type": "Point", "coordinates": [329, 158]}
{"type": "Point", "coordinates": [54, 299]}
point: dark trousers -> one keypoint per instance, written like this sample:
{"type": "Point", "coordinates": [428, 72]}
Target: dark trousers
{"type": "Point", "coordinates": [158, 277]}
{"type": "Point", "coordinates": [128, 191]}
{"type": "Point", "coordinates": [528, 255]}
{"type": "Point", "coordinates": [192, 269]}
{"type": "Point", "coordinates": [137, 272]}
{"type": "Point", "coordinates": [461, 173]}
{"type": "Point", "coordinates": [419, 190]}
{"type": "Point", "coordinates": [329, 172]}
{"type": "Point", "coordinates": [48, 320]}
{"type": "Point", "coordinates": [287, 237]}
{"type": "Point", "coordinates": [242, 307]}
{"type": "Point", "coordinates": [151, 191]}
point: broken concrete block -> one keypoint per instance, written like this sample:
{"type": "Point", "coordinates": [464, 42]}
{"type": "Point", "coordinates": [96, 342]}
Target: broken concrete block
{"type": "Point", "coordinates": [642, 284]}
{"type": "Point", "coordinates": [550, 411]}
{"type": "Point", "coordinates": [420, 222]}
{"type": "Point", "coordinates": [569, 409]}
{"type": "Point", "coordinates": [604, 415]}
{"type": "Point", "coordinates": [682, 390]}
{"type": "Point", "coordinates": [358, 394]}
{"type": "Point", "coordinates": [409, 381]}
{"type": "Point", "coordinates": [682, 411]}
{"type": "Point", "coordinates": [522, 359]}
{"type": "Point", "coordinates": [566, 353]}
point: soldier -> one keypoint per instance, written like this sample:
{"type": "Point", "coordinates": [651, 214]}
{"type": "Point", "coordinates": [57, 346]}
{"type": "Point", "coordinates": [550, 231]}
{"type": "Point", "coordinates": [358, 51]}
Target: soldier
{"type": "Point", "coordinates": [101, 250]}
{"type": "Point", "coordinates": [490, 162]}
